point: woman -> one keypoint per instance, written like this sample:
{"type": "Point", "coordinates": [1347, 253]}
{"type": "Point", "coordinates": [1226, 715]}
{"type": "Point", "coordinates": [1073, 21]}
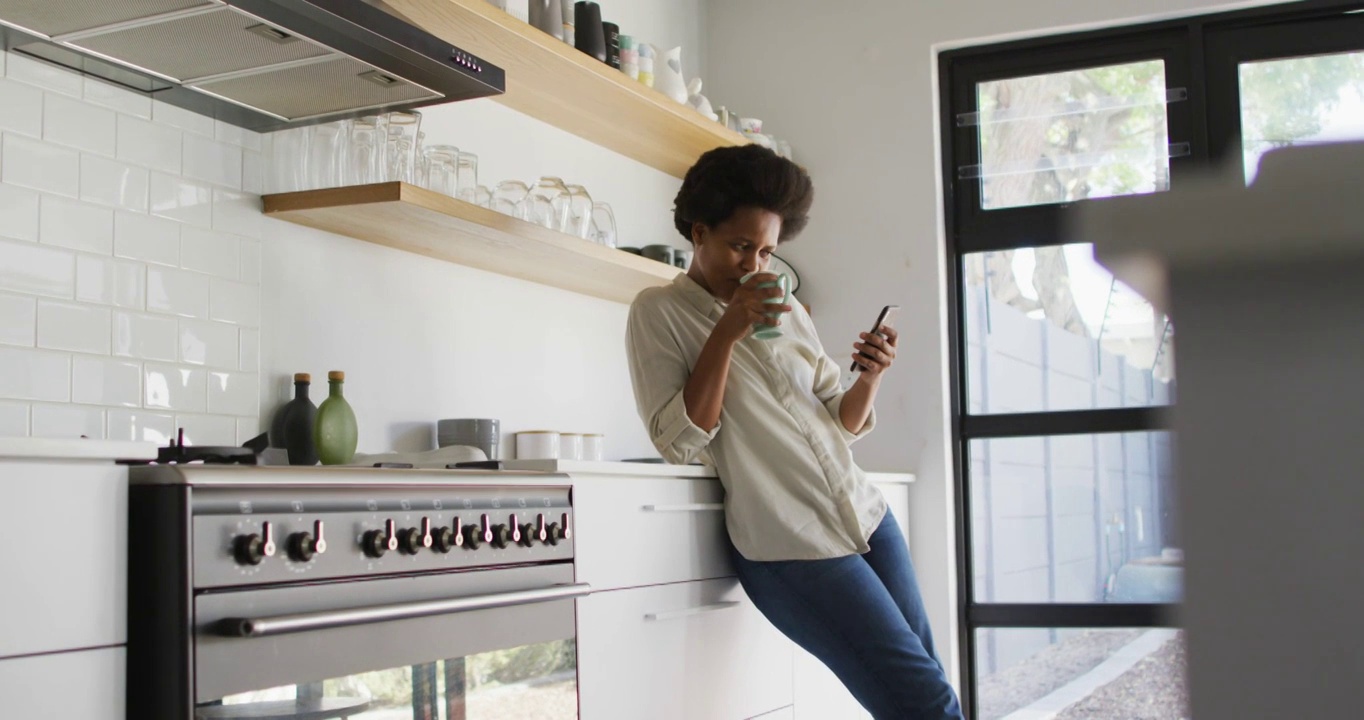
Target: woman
{"type": "Point", "coordinates": [814, 544]}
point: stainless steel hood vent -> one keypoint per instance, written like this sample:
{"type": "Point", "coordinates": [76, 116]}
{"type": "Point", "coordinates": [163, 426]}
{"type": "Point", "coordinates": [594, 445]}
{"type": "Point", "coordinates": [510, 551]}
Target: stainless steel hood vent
{"type": "Point", "coordinates": [260, 64]}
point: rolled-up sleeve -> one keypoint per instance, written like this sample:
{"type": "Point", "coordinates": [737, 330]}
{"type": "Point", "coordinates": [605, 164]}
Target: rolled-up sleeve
{"type": "Point", "coordinates": [659, 374]}
{"type": "Point", "coordinates": [829, 390]}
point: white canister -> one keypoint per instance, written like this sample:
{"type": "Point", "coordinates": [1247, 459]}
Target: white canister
{"type": "Point", "coordinates": [570, 446]}
{"type": "Point", "coordinates": [537, 445]}
{"type": "Point", "coordinates": [594, 446]}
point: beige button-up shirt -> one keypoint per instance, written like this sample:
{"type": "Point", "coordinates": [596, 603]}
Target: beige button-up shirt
{"type": "Point", "coordinates": [792, 490]}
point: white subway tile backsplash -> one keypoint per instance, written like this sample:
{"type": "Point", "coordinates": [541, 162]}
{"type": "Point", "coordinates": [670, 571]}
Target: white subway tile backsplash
{"type": "Point", "coordinates": [141, 426]}
{"type": "Point", "coordinates": [72, 224]}
{"type": "Point", "coordinates": [13, 419]}
{"type": "Point", "coordinates": [107, 281]}
{"type": "Point", "coordinates": [253, 172]}
{"type": "Point", "coordinates": [233, 393]}
{"type": "Point", "coordinates": [251, 261]}
{"type": "Point", "coordinates": [180, 118]}
{"type": "Point", "coordinates": [241, 137]}
{"type": "Point", "coordinates": [177, 292]}
{"type": "Point", "coordinates": [116, 98]}
{"type": "Point", "coordinates": [175, 388]}
{"type": "Point", "coordinates": [34, 375]}
{"type": "Point", "coordinates": [18, 213]}
{"type": "Point", "coordinates": [29, 268]}
{"type": "Point", "coordinates": [21, 108]}
{"type": "Point", "coordinates": [98, 381]}
{"type": "Point", "coordinates": [182, 200]}
{"type": "Point", "coordinates": [216, 162]}
{"type": "Point", "coordinates": [67, 421]}
{"type": "Point", "coordinates": [109, 182]}
{"type": "Point", "coordinates": [38, 165]}
{"type": "Point", "coordinates": [149, 337]}
{"type": "Point", "coordinates": [235, 302]}
{"type": "Point", "coordinates": [207, 429]}
{"type": "Point", "coordinates": [208, 343]}
{"type": "Point", "coordinates": [247, 428]}
{"type": "Point", "coordinates": [250, 350]}
{"type": "Point", "coordinates": [43, 75]}
{"type": "Point", "coordinates": [79, 328]}
{"type": "Point", "coordinates": [237, 213]}
{"type": "Point", "coordinates": [18, 319]}
{"type": "Point", "coordinates": [68, 121]}
{"type": "Point", "coordinates": [210, 252]}
{"type": "Point", "coordinates": [148, 144]}
{"type": "Point", "coordinates": [147, 238]}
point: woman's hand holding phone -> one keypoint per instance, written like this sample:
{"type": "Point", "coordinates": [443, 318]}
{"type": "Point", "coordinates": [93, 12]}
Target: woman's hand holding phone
{"type": "Point", "coordinates": [875, 352]}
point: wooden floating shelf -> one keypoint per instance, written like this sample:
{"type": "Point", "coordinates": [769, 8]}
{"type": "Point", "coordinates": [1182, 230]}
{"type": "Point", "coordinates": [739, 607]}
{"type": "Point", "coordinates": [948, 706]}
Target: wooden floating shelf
{"type": "Point", "coordinates": [428, 223]}
{"type": "Point", "coordinates": [553, 82]}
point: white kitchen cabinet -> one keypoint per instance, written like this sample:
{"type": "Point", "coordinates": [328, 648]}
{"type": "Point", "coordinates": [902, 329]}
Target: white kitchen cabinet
{"type": "Point", "coordinates": [636, 530]}
{"type": "Point", "coordinates": [680, 651]}
{"type": "Point", "coordinates": [86, 684]}
{"type": "Point", "coordinates": [67, 524]}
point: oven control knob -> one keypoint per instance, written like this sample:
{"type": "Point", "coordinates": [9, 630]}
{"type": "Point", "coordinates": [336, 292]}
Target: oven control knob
{"type": "Point", "coordinates": [252, 549]}
{"type": "Point", "coordinates": [528, 534]}
{"type": "Point", "coordinates": [443, 540]}
{"type": "Point", "coordinates": [378, 542]}
{"type": "Point", "coordinates": [552, 533]}
{"type": "Point", "coordinates": [303, 546]}
{"type": "Point", "coordinates": [412, 540]}
{"type": "Point", "coordinates": [501, 536]}
{"type": "Point", "coordinates": [473, 537]}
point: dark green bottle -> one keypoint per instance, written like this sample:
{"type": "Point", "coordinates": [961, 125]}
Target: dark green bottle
{"type": "Point", "coordinates": [293, 426]}
{"type": "Point", "coordinates": [335, 432]}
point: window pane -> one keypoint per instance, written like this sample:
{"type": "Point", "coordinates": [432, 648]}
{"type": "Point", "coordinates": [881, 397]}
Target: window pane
{"type": "Point", "coordinates": [1074, 519]}
{"type": "Point", "coordinates": [1082, 674]}
{"type": "Point", "coordinates": [1049, 329]}
{"type": "Point", "coordinates": [1069, 136]}
{"type": "Point", "coordinates": [1300, 100]}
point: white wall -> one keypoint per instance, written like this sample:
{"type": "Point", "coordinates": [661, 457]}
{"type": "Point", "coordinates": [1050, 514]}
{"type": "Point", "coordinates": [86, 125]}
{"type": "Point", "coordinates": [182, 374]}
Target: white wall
{"type": "Point", "coordinates": [172, 277]}
{"type": "Point", "coordinates": [852, 86]}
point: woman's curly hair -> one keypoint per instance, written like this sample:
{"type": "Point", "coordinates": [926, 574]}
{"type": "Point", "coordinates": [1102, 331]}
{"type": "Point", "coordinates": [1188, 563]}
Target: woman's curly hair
{"type": "Point", "coordinates": [728, 178]}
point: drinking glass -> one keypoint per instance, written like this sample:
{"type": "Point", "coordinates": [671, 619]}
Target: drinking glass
{"type": "Point", "coordinates": [328, 149]}
{"type": "Point", "coordinates": [603, 225]}
{"type": "Point", "coordinates": [402, 137]}
{"type": "Point", "coordinates": [510, 198]}
{"type": "Point", "coordinates": [547, 204]}
{"type": "Point", "coordinates": [466, 176]}
{"type": "Point", "coordinates": [368, 140]}
{"type": "Point", "coordinates": [483, 197]}
{"type": "Point", "coordinates": [578, 221]}
{"type": "Point", "coordinates": [289, 161]}
{"type": "Point", "coordinates": [440, 168]}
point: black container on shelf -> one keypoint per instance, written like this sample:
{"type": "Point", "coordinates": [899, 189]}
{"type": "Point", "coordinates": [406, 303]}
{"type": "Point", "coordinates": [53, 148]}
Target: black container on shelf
{"type": "Point", "coordinates": [612, 33]}
{"type": "Point", "coordinates": [589, 35]}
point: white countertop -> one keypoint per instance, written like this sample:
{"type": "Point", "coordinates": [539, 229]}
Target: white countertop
{"type": "Point", "coordinates": [589, 467]}
{"type": "Point", "coordinates": [1304, 205]}
{"type": "Point", "coordinates": [75, 449]}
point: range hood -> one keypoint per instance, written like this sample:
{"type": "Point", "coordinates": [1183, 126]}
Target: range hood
{"type": "Point", "coordinates": [259, 64]}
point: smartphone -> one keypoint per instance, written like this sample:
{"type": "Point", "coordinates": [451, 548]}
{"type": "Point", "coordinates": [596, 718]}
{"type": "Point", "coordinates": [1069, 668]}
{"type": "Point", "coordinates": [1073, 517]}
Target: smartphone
{"type": "Point", "coordinates": [885, 319]}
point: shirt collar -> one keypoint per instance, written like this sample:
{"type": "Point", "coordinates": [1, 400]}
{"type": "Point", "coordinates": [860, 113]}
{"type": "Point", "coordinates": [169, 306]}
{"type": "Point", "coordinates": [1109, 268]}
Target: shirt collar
{"type": "Point", "coordinates": [697, 296]}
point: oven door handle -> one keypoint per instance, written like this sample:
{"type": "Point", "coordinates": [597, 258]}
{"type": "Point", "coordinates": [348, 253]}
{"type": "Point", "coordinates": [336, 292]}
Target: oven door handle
{"type": "Point", "coordinates": [300, 622]}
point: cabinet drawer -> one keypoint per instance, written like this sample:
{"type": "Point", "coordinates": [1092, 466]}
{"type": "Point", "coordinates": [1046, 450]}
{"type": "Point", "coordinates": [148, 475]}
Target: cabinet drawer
{"type": "Point", "coordinates": [86, 685]}
{"type": "Point", "coordinates": [68, 525]}
{"type": "Point", "coordinates": [683, 651]}
{"type": "Point", "coordinates": [635, 531]}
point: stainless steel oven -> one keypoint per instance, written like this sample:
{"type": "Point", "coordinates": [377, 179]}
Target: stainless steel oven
{"type": "Point", "coordinates": [267, 592]}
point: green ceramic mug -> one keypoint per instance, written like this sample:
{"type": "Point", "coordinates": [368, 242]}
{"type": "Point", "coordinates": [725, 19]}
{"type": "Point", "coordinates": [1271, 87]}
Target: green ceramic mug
{"type": "Point", "coordinates": [763, 331]}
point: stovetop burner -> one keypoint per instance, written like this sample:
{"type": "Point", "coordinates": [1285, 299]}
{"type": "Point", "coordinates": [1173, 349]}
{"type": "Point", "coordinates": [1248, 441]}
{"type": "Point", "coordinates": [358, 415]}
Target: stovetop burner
{"type": "Point", "coordinates": [179, 453]}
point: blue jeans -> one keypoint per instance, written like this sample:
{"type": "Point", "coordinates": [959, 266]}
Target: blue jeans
{"type": "Point", "coordinates": [862, 616]}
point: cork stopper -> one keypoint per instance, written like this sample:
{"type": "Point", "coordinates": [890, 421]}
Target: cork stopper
{"type": "Point", "coordinates": [336, 376]}
{"type": "Point", "coordinates": [303, 377]}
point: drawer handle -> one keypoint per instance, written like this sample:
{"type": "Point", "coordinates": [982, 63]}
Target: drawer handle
{"type": "Point", "coordinates": [694, 507]}
{"type": "Point", "coordinates": [675, 614]}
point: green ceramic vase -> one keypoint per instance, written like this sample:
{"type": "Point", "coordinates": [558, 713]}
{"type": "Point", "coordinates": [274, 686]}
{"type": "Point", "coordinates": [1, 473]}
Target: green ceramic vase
{"type": "Point", "coordinates": [334, 431]}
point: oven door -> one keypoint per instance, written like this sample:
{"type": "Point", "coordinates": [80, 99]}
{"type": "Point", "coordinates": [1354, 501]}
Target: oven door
{"type": "Point", "coordinates": [455, 646]}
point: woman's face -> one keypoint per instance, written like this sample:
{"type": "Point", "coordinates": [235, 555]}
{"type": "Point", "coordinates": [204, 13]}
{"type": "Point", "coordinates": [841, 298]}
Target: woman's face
{"type": "Point", "coordinates": [732, 249]}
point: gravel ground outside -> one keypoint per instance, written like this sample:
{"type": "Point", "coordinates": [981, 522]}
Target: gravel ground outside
{"type": "Point", "coordinates": [1154, 689]}
{"type": "Point", "coordinates": [1018, 686]}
